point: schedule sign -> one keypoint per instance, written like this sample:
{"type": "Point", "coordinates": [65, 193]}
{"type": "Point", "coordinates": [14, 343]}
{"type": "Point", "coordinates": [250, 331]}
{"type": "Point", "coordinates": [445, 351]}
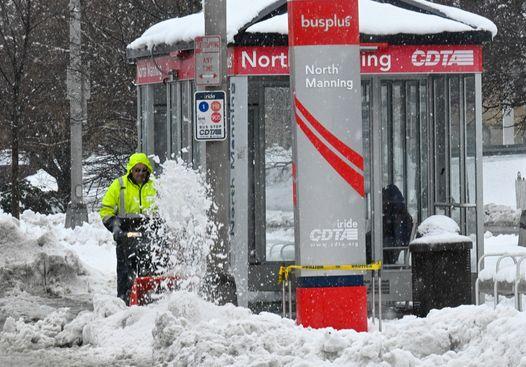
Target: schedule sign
{"type": "Point", "coordinates": [209, 116]}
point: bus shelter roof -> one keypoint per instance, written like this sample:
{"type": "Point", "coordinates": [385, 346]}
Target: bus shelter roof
{"type": "Point", "coordinates": [265, 22]}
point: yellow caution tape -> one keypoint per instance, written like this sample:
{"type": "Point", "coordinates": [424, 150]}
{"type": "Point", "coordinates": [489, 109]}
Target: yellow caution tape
{"type": "Point", "coordinates": [285, 270]}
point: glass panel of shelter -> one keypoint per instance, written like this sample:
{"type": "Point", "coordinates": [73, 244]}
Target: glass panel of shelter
{"type": "Point", "coordinates": [160, 128]}
{"type": "Point", "coordinates": [279, 211]}
{"type": "Point", "coordinates": [145, 114]}
{"type": "Point", "coordinates": [454, 148]}
{"type": "Point", "coordinates": [270, 141]}
{"type": "Point", "coordinates": [165, 120]}
{"type": "Point", "coordinates": [174, 119]}
{"type": "Point", "coordinates": [186, 121]}
{"type": "Point", "coordinates": [470, 149]}
{"type": "Point", "coordinates": [404, 164]}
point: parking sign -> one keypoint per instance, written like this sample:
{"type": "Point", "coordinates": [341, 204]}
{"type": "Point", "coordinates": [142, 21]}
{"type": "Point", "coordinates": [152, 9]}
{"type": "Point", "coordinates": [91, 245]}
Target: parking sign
{"type": "Point", "coordinates": [209, 116]}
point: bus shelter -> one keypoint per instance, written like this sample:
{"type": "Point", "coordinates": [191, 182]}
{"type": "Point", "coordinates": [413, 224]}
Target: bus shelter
{"type": "Point", "coordinates": [421, 66]}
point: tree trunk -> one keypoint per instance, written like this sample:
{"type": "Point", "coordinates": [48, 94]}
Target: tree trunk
{"type": "Point", "coordinates": [15, 189]}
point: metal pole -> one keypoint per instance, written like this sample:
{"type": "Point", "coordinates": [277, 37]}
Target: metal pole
{"type": "Point", "coordinates": [374, 294]}
{"type": "Point", "coordinates": [478, 168]}
{"type": "Point", "coordinates": [379, 300]}
{"type": "Point", "coordinates": [218, 169]}
{"type": "Point", "coordinates": [290, 298]}
{"type": "Point", "coordinates": [76, 213]}
{"type": "Point", "coordinates": [283, 299]}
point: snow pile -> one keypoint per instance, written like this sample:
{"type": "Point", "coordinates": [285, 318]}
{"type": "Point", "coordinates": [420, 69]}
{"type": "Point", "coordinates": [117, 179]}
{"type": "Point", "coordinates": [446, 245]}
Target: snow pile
{"type": "Point", "coordinates": [184, 205]}
{"type": "Point", "coordinates": [44, 266]}
{"type": "Point", "coordinates": [113, 328]}
{"type": "Point", "coordinates": [43, 180]}
{"type": "Point", "coordinates": [437, 224]}
{"type": "Point", "coordinates": [185, 330]}
{"type": "Point", "coordinates": [89, 247]}
{"type": "Point", "coordinates": [500, 173]}
{"type": "Point", "coordinates": [504, 243]}
{"type": "Point", "coordinates": [439, 229]}
{"type": "Point", "coordinates": [35, 261]}
{"type": "Point", "coordinates": [501, 215]}
{"type": "Point", "coordinates": [20, 335]}
{"type": "Point", "coordinates": [196, 333]}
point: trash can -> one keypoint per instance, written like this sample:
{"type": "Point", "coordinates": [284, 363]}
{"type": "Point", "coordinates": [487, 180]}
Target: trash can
{"type": "Point", "coordinates": [441, 274]}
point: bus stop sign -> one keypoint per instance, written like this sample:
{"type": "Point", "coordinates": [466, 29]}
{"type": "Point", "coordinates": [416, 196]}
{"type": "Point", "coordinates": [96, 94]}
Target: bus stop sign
{"type": "Point", "coordinates": [209, 115]}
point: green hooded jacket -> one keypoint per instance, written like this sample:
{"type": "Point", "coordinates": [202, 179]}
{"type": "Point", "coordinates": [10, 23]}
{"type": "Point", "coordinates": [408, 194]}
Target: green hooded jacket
{"type": "Point", "coordinates": [137, 199]}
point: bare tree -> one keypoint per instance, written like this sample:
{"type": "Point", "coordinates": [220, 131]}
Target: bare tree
{"type": "Point", "coordinates": [33, 62]}
{"type": "Point", "coordinates": [18, 21]}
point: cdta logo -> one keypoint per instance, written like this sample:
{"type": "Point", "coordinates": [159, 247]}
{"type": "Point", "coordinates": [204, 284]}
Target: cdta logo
{"type": "Point", "coordinates": [326, 23]}
{"type": "Point", "coordinates": [443, 57]}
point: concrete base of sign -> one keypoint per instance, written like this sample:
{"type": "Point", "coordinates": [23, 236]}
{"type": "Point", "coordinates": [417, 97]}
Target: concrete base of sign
{"type": "Point", "coordinates": [339, 307]}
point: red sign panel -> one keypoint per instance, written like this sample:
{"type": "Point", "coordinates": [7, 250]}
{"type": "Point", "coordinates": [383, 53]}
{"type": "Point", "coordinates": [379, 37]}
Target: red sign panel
{"type": "Point", "coordinates": [384, 60]}
{"type": "Point", "coordinates": [156, 70]}
{"type": "Point", "coordinates": [422, 59]}
{"type": "Point", "coordinates": [323, 22]}
{"type": "Point", "coordinates": [258, 61]}
{"type": "Point", "coordinates": [153, 70]}
{"type": "Point", "coordinates": [438, 59]}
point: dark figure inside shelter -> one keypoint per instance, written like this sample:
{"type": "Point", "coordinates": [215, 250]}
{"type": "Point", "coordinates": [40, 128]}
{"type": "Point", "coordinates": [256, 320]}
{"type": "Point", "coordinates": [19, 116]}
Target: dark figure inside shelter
{"type": "Point", "coordinates": [397, 225]}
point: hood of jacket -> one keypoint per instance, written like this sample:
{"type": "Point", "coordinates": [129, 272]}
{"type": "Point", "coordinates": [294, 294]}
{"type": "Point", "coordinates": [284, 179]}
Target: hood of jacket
{"type": "Point", "coordinates": [136, 158]}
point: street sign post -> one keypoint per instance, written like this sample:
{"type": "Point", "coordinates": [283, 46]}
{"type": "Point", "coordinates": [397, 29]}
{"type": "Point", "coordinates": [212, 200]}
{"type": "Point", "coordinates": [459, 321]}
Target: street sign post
{"type": "Point", "coordinates": [207, 60]}
{"type": "Point", "coordinates": [209, 115]}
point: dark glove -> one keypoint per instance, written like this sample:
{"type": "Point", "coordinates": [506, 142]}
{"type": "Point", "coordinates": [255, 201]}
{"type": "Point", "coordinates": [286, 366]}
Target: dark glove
{"type": "Point", "coordinates": [108, 223]}
{"type": "Point", "coordinates": [118, 234]}
{"type": "Point", "coordinates": [115, 224]}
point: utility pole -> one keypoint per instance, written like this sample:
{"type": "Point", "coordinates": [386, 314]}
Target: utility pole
{"type": "Point", "coordinates": [218, 169]}
{"type": "Point", "coordinates": [78, 94]}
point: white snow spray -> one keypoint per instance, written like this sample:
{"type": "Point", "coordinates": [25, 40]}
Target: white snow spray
{"type": "Point", "coordinates": [187, 233]}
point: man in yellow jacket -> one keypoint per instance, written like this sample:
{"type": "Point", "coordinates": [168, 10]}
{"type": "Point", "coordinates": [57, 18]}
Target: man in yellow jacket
{"type": "Point", "coordinates": [128, 198]}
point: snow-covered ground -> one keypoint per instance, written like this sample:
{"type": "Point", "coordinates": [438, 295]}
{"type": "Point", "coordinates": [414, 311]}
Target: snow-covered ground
{"type": "Point", "coordinates": [45, 267]}
{"type": "Point", "coordinates": [500, 173]}
{"type": "Point", "coordinates": [184, 330]}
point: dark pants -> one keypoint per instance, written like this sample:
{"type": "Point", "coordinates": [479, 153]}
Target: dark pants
{"type": "Point", "coordinates": [133, 260]}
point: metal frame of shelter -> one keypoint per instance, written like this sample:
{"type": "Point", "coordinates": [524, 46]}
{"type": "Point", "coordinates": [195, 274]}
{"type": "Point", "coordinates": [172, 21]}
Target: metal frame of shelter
{"type": "Point", "coordinates": [422, 131]}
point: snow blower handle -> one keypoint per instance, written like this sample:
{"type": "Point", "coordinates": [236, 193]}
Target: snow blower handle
{"type": "Point", "coordinates": [133, 234]}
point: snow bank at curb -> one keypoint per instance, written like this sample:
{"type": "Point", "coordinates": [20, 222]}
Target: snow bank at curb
{"type": "Point", "coordinates": [197, 333]}
{"type": "Point", "coordinates": [185, 330]}
{"type": "Point", "coordinates": [40, 256]}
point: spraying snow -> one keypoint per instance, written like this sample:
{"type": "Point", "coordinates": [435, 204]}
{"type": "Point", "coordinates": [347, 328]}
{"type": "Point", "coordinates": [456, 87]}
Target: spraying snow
{"type": "Point", "coordinates": [187, 231]}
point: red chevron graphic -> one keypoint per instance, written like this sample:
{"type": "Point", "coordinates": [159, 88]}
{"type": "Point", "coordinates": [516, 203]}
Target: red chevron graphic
{"type": "Point", "coordinates": [352, 177]}
{"type": "Point", "coordinates": [346, 151]}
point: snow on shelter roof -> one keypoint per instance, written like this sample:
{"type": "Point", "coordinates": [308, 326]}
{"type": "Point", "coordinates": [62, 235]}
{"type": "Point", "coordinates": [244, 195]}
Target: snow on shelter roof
{"type": "Point", "coordinates": [185, 29]}
{"type": "Point", "coordinates": [375, 18]}
{"type": "Point", "coordinates": [387, 19]}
